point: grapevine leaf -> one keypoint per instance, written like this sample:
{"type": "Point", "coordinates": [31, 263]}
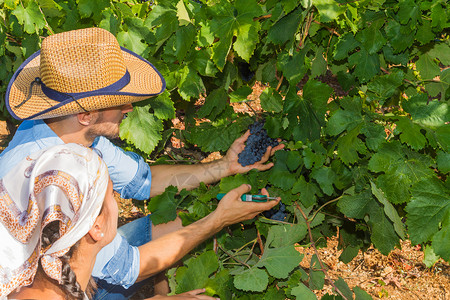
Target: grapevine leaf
{"type": "Point", "coordinates": [314, 156]}
{"type": "Point", "coordinates": [286, 235]}
{"type": "Point", "coordinates": [431, 114]}
{"type": "Point", "coordinates": [349, 145]}
{"type": "Point", "coordinates": [162, 106]}
{"type": "Point", "coordinates": [329, 10]}
{"type": "Point", "coordinates": [190, 83]}
{"type": "Point", "coordinates": [273, 293]}
{"type": "Point", "coordinates": [199, 268]}
{"type": "Point", "coordinates": [232, 182]}
{"type": "Point", "coordinates": [443, 137]}
{"type": "Point", "coordinates": [294, 160]}
{"type": "Point", "coordinates": [400, 36]}
{"type": "Point", "coordinates": [360, 294]}
{"type": "Point", "coordinates": [205, 136]}
{"type": "Point", "coordinates": [386, 157]}
{"type": "Point", "coordinates": [396, 186]}
{"type": "Point", "coordinates": [318, 93]}
{"type": "Point", "coordinates": [325, 177]}
{"type": "Point", "coordinates": [367, 65]}
{"type": "Point", "coordinates": [271, 100]}
{"type": "Point", "coordinates": [389, 210]}
{"type": "Point", "coordinates": [203, 64]}
{"type": "Point", "coordinates": [142, 129]}
{"type": "Point", "coordinates": [443, 161]}
{"type": "Point", "coordinates": [319, 64]}
{"type": "Point", "coordinates": [240, 94]}
{"type": "Point", "coordinates": [343, 287]}
{"type": "Point", "coordinates": [50, 8]}
{"type": "Point", "coordinates": [428, 206]}
{"type": "Point", "coordinates": [219, 285]}
{"type": "Point", "coordinates": [30, 17]}
{"type": "Point", "coordinates": [94, 8]}
{"type": "Point", "coordinates": [385, 86]}
{"type": "Point", "coordinates": [182, 14]}
{"type": "Point", "coordinates": [308, 191]}
{"type": "Point", "coordinates": [408, 10]}
{"type": "Point", "coordinates": [344, 46]}
{"type": "Point", "coordinates": [293, 67]}
{"type": "Point", "coordinates": [441, 240]}
{"type": "Point", "coordinates": [438, 16]}
{"type": "Point", "coordinates": [424, 34]}
{"type": "Point", "coordinates": [303, 293]}
{"type": "Point", "coordinates": [375, 135]}
{"type": "Point", "coordinates": [220, 51]}
{"type": "Point", "coordinates": [164, 207]}
{"type": "Point", "coordinates": [285, 29]}
{"type": "Point", "coordinates": [430, 258]}
{"type": "Point", "coordinates": [356, 206]}
{"type": "Point", "coordinates": [279, 174]}
{"type": "Point", "coordinates": [371, 37]}
{"type": "Point", "coordinates": [280, 261]}
{"type": "Point", "coordinates": [133, 37]}
{"type": "Point", "coordinates": [109, 21]}
{"type": "Point", "coordinates": [254, 280]}
{"type": "Point", "coordinates": [316, 279]}
{"type": "Point", "coordinates": [410, 134]}
{"type": "Point", "coordinates": [341, 120]}
{"type": "Point", "coordinates": [185, 37]}
{"type": "Point", "coordinates": [214, 104]}
{"type": "Point", "coordinates": [441, 51]}
{"type": "Point", "coordinates": [427, 67]}
{"type": "Point", "coordinates": [400, 58]}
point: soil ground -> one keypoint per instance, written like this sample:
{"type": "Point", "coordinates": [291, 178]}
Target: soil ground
{"type": "Point", "coordinates": [400, 275]}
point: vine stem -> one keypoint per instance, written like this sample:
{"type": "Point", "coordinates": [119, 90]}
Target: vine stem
{"type": "Point", "coordinates": [261, 245]}
{"type": "Point", "coordinates": [313, 244]}
{"type": "Point", "coordinates": [325, 204]}
{"type": "Point", "coordinates": [232, 256]}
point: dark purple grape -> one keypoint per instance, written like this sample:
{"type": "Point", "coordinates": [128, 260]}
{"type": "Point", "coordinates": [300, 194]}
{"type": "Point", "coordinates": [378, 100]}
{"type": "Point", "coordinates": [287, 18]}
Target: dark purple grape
{"type": "Point", "coordinates": [256, 144]}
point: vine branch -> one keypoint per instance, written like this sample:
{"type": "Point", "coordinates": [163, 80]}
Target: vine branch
{"type": "Point", "coordinates": [313, 244]}
{"type": "Point", "coordinates": [233, 257]}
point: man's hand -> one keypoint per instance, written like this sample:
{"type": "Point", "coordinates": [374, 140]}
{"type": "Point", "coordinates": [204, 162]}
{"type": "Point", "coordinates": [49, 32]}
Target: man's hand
{"type": "Point", "coordinates": [231, 158]}
{"type": "Point", "coordinates": [194, 295]}
{"type": "Point", "coordinates": [232, 209]}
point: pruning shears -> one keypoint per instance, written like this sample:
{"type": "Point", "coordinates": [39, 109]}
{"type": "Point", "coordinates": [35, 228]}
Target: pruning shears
{"type": "Point", "coordinates": [250, 198]}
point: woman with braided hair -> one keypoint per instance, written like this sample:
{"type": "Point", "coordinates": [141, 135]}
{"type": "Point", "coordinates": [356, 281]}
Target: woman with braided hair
{"type": "Point", "coordinates": [57, 211]}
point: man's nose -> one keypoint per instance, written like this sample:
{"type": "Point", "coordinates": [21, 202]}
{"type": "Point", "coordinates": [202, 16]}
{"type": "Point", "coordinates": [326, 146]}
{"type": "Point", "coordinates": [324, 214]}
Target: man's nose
{"type": "Point", "coordinates": [127, 108]}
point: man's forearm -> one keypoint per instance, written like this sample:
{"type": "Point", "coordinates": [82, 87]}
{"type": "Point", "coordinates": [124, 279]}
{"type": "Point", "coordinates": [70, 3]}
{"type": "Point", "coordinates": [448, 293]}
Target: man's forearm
{"type": "Point", "coordinates": [187, 176]}
{"type": "Point", "coordinates": [163, 252]}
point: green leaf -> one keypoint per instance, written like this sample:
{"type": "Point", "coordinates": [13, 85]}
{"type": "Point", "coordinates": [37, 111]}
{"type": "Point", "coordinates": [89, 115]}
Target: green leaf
{"type": "Point", "coordinates": [285, 28]}
{"type": "Point", "coordinates": [410, 134]}
{"type": "Point", "coordinates": [427, 113]}
{"type": "Point", "coordinates": [219, 285]}
{"type": "Point", "coordinates": [385, 86]}
{"type": "Point", "coordinates": [301, 292]}
{"type": "Point", "coordinates": [443, 137]}
{"type": "Point", "coordinates": [343, 287]}
{"type": "Point", "coordinates": [215, 103]}
{"type": "Point", "coordinates": [279, 174]}
{"type": "Point", "coordinates": [441, 240]}
{"type": "Point", "coordinates": [360, 294]}
{"type": "Point", "coordinates": [329, 10]}
{"type": "Point", "coordinates": [430, 258]}
{"type": "Point", "coordinates": [427, 67]}
{"type": "Point", "coordinates": [427, 209]}
{"type": "Point", "coordinates": [163, 207]}
{"type": "Point", "coordinates": [375, 135]}
{"type": "Point", "coordinates": [292, 66]}
{"type": "Point", "coordinates": [344, 46]}
{"type": "Point", "coordinates": [318, 93]}
{"type": "Point", "coordinates": [133, 37]}
{"type": "Point", "coordinates": [30, 17]}
{"type": "Point", "coordinates": [185, 37]}
{"type": "Point", "coordinates": [280, 261]}
{"type": "Point", "coordinates": [254, 280]}
{"type": "Point", "coordinates": [424, 34]}
{"type": "Point", "coordinates": [371, 37]}
{"type": "Point", "coordinates": [441, 51]}
{"type": "Point", "coordinates": [190, 83]}
{"type": "Point", "coordinates": [341, 120]}
{"type": "Point", "coordinates": [182, 14]}
{"type": "Point", "coordinates": [367, 65]}
{"type": "Point", "coordinates": [319, 64]}
{"type": "Point", "coordinates": [240, 94]}
{"type": "Point", "coordinates": [141, 129]}
{"type": "Point", "coordinates": [94, 8]}
{"type": "Point", "coordinates": [308, 191]}
{"type": "Point", "coordinates": [199, 268]}
{"type": "Point", "coordinates": [408, 10]}
{"type": "Point", "coordinates": [389, 210]}
{"type": "Point", "coordinates": [162, 106]}
{"type": "Point", "coordinates": [399, 36]}
{"type": "Point", "coordinates": [325, 177]}
{"type": "Point", "coordinates": [349, 145]}
{"type": "Point", "coordinates": [285, 235]}
{"type": "Point", "coordinates": [271, 100]}
{"type": "Point", "coordinates": [50, 8]}
{"type": "Point", "coordinates": [443, 161]}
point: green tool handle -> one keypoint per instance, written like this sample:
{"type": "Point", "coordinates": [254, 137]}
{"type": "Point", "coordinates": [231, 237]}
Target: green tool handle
{"type": "Point", "coordinates": [246, 197]}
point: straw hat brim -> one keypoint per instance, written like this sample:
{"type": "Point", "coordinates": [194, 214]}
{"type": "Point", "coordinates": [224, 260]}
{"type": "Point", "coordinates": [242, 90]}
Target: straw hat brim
{"type": "Point", "coordinates": [145, 82]}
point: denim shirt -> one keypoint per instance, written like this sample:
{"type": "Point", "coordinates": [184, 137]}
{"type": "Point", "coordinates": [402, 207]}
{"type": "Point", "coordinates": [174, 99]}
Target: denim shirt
{"type": "Point", "coordinates": [129, 173]}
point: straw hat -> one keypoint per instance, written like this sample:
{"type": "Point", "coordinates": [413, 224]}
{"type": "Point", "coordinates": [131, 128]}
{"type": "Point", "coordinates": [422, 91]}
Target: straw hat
{"type": "Point", "coordinates": [77, 71]}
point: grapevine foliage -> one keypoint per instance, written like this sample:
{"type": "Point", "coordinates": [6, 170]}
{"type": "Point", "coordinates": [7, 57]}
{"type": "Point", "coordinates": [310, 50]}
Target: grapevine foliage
{"type": "Point", "coordinates": [357, 90]}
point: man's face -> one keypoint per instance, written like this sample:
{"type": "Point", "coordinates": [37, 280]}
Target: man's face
{"type": "Point", "coordinates": [108, 121]}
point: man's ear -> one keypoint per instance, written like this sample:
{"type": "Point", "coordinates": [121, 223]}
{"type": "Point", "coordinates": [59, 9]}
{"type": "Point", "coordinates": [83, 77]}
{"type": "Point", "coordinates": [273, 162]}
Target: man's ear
{"type": "Point", "coordinates": [86, 118]}
{"type": "Point", "coordinates": [96, 232]}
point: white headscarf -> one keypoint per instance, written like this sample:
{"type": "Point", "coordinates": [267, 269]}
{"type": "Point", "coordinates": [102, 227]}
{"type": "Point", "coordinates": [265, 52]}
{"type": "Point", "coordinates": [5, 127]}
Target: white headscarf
{"type": "Point", "coordinates": [65, 183]}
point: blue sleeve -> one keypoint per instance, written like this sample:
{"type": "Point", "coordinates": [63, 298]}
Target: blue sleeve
{"type": "Point", "coordinates": [130, 174]}
{"type": "Point", "coordinates": [117, 263]}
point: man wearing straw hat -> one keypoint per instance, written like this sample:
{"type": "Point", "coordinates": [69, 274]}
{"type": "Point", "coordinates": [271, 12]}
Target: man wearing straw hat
{"type": "Point", "coordinates": [77, 89]}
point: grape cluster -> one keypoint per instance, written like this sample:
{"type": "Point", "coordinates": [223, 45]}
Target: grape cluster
{"type": "Point", "coordinates": [277, 215]}
{"type": "Point", "coordinates": [256, 145]}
